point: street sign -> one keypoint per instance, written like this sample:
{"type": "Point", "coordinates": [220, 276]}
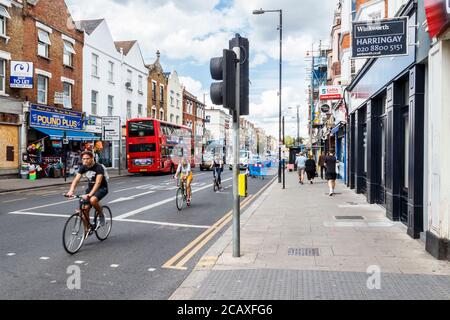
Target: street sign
{"type": "Point", "coordinates": [21, 75]}
{"type": "Point", "coordinates": [330, 92]}
{"type": "Point", "coordinates": [380, 38]}
{"type": "Point", "coordinates": [111, 128]}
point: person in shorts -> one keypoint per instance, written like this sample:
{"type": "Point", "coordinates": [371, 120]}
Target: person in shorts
{"type": "Point", "coordinates": [330, 174]}
{"type": "Point", "coordinates": [97, 183]}
{"type": "Point", "coordinates": [300, 161]}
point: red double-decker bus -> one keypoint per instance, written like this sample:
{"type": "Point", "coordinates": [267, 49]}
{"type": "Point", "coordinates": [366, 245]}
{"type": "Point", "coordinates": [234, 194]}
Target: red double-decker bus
{"type": "Point", "coordinates": [156, 146]}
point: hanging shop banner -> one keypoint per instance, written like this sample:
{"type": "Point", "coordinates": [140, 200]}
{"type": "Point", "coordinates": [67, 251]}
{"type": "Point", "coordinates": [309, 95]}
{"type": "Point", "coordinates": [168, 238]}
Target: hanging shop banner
{"type": "Point", "coordinates": [330, 92]}
{"type": "Point", "coordinates": [21, 75]}
{"type": "Point", "coordinates": [380, 38]}
{"type": "Point", "coordinates": [438, 16]}
{"type": "Point", "coordinates": [49, 117]}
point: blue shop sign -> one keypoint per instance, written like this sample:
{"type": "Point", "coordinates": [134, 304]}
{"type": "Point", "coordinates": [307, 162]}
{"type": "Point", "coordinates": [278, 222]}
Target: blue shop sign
{"type": "Point", "coordinates": [49, 117]}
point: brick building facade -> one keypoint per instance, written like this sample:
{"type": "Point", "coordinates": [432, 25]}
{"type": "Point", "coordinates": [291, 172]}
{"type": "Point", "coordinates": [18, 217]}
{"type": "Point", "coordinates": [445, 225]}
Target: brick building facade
{"type": "Point", "coordinates": [157, 87]}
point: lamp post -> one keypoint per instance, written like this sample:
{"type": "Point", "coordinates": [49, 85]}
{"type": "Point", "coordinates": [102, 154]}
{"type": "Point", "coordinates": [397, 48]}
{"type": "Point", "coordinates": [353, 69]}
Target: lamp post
{"type": "Point", "coordinates": [280, 27]}
{"type": "Point", "coordinates": [298, 125]}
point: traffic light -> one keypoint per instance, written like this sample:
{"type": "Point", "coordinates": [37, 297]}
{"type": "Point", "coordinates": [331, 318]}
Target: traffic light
{"type": "Point", "coordinates": [244, 81]}
{"type": "Point", "coordinates": [224, 68]}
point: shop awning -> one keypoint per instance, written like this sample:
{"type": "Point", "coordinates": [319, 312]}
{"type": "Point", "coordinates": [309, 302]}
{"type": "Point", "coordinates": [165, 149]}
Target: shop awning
{"type": "Point", "coordinates": [71, 135]}
{"type": "Point", "coordinates": [336, 129]}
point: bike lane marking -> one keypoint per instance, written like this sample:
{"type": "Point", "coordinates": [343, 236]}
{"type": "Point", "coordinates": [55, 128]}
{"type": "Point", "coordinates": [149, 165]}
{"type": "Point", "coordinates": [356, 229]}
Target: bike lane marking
{"type": "Point", "coordinates": [157, 204]}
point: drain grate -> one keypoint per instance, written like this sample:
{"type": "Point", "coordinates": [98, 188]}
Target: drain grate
{"type": "Point", "coordinates": [305, 252]}
{"type": "Point", "coordinates": [349, 217]}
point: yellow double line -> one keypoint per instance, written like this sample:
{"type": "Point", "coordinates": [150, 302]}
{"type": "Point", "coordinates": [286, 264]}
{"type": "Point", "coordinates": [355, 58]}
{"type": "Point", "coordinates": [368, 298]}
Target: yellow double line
{"type": "Point", "coordinates": [192, 248]}
{"type": "Point", "coordinates": [181, 258]}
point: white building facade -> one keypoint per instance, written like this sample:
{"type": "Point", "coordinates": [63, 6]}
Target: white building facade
{"type": "Point", "coordinates": [174, 99]}
{"type": "Point", "coordinates": [114, 82]}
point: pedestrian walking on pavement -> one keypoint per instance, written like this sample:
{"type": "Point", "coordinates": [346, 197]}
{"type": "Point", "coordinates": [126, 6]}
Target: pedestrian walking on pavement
{"type": "Point", "coordinates": [310, 167]}
{"type": "Point", "coordinates": [300, 161]}
{"type": "Point", "coordinates": [322, 164]}
{"type": "Point", "coordinates": [330, 174]}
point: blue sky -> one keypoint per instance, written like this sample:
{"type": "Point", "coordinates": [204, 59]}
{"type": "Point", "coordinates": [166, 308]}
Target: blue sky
{"type": "Point", "coordinates": [190, 32]}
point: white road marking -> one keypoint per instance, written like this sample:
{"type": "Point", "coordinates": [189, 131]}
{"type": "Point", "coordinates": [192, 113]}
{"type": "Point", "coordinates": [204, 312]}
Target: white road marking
{"type": "Point", "coordinates": [10, 254]}
{"type": "Point", "coordinates": [47, 205]}
{"type": "Point", "coordinates": [115, 265]}
{"type": "Point", "coordinates": [157, 204]}
{"type": "Point", "coordinates": [14, 200]}
{"type": "Point", "coordinates": [40, 214]}
{"type": "Point", "coordinates": [44, 258]}
{"type": "Point", "coordinates": [135, 187]}
{"type": "Point", "coordinates": [131, 198]}
{"type": "Point", "coordinates": [151, 269]}
{"type": "Point", "coordinates": [54, 281]}
{"type": "Point", "coordinates": [79, 262]}
{"type": "Point", "coordinates": [163, 223]}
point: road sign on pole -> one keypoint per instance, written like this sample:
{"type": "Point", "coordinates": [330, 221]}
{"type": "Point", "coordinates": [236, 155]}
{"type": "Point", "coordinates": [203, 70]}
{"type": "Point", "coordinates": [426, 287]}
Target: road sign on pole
{"type": "Point", "coordinates": [110, 128]}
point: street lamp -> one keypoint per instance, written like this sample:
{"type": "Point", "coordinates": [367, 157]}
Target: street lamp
{"type": "Point", "coordinates": [280, 27]}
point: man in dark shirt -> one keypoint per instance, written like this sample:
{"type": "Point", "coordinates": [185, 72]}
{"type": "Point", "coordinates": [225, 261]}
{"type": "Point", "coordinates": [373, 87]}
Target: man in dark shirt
{"type": "Point", "coordinates": [322, 164]}
{"type": "Point", "coordinates": [330, 174]}
{"type": "Point", "coordinates": [97, 184]}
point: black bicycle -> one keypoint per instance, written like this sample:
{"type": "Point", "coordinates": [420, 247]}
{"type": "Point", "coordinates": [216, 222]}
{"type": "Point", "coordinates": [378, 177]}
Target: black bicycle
{"type": "Point", "coordinates": [181, 197]}
{"type": "Point", "coordinates": [77, 229]}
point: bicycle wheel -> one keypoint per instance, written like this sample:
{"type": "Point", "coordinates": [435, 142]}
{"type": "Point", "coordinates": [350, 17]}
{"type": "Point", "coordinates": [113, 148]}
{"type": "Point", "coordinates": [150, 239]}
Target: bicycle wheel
{"type": "Point", "coordinates": [180, 199]}
{"type": "Point", "coordinates": [73, 234]}
{"type": "Point", "coordinates": [103, 232]}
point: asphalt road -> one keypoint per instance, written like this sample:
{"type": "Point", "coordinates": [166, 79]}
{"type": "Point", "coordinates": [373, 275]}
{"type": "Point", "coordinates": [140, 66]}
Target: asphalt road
{"type": "Point", "coordinates": [150, 251]}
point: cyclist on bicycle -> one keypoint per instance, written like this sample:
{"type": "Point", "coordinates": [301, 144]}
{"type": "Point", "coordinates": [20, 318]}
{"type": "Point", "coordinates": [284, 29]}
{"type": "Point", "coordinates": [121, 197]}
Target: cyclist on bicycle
{"type": "Point", "coordinates": [185, 172]}
{"type": "Point", "coordinates": [217, 166]}
{"type": "Point", "coordinates": [97, 184]}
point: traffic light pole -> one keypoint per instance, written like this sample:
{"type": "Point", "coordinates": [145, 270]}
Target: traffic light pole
{"type": "Point", "coordinates": [236, 197]}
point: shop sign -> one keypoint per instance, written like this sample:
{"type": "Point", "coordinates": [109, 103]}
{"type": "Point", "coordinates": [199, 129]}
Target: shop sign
{"type": "Point", "coordinates": [49, 117]}
{"type": "Point", "coordinates": [21, 75]}
{"type": "Point", "coordinates": [93, 124]}
{"type": "Point", "coordinates": [59, 98]}
{"type": "Point", "coordinates": [110, 128]}
{"type": "Point", "coordinates": [380, 38]}
{"type": "Point", "coordinates": [330, 93]}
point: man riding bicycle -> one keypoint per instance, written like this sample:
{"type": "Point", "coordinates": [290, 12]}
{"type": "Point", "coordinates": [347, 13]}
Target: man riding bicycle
{"type": "Point", "coordinates": [185, 172]}
{"type": "Point", "coordinates": [217, 166]}
{"type": "Point", "coordinates": [97, 185]}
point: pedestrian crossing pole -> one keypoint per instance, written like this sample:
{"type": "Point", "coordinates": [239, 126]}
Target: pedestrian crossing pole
{"type": "Point", "coordinates": [236, 170]}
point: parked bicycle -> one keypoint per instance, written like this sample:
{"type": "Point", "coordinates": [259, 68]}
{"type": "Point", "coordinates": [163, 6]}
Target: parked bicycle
{"type": "Point", "coordinates": [181, 197]}
{"type": "Point", "coordinates": [80, 226]}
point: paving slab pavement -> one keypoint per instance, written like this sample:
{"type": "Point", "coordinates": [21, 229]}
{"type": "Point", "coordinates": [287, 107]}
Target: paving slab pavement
{"type": "Point", "coordinates": [294, 246]}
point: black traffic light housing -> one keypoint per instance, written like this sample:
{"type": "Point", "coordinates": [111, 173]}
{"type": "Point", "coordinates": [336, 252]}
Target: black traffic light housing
{"type": "Point", "coordinates": [244, 81]}
{"type": "Point", "coordinates": [224, 68]}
